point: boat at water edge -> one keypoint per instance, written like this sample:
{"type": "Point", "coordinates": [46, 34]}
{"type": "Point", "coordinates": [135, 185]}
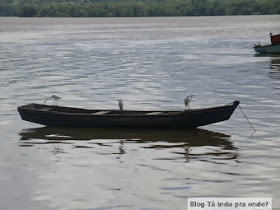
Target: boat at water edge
{"type": "Point", "coordinates": [267, 49]}
{"type": "Point", "coordinates": [273, 48]}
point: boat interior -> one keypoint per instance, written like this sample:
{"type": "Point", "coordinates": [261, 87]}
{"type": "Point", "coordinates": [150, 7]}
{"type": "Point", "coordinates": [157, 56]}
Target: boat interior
{"type": "Point", "coordinates": [53, 108]}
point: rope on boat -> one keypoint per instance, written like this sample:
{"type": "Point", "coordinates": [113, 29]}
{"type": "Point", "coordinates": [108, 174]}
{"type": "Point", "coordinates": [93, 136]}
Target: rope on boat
{"type": "Point", "coordinates": [247, 118]}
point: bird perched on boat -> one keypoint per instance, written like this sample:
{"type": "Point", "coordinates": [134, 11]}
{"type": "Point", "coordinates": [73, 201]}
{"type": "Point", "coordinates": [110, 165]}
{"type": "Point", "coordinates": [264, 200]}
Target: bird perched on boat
{"type": "Point", "coordinates": [188, 101]}
{"type": "Point", "coordinates": [120, 104]}
{"type": "Point", "coordinates": [54, 97]}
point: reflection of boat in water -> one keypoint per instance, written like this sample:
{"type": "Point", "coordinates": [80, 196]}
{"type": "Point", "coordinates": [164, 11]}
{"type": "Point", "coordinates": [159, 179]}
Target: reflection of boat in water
{"type": "Point", "coordinates": [187, 144]}
{"type": "Point", "coordinates": [274, 64]}
{"type": "Point", "coordinates": [273, 48]}
{"type": "Point", "coordinates": [275, 69]}
{"type": "Point", "coordinates": [195, 137]}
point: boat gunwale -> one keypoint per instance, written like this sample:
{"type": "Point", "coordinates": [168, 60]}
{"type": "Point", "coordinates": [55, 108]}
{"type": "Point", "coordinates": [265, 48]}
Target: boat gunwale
{"type": "Point", "coordinates": [125, 113]}
{"type": "Point", "coordinates": [267, 45]}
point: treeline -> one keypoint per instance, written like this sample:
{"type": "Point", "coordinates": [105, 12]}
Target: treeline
{"type": "Point", "coordinates": [120, 8]}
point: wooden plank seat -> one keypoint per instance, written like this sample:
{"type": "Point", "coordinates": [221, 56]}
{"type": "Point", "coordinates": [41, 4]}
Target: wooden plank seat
{"type": "Point", "coordinates": [100, 113]}
{"type": "Point", "coordinates": [153, 113]}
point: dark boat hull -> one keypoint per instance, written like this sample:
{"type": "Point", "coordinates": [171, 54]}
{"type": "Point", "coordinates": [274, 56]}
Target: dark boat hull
{"type": "Point", "coordinates": [267, 49]}
{"type": "Point", "coordinates": [64, 116]}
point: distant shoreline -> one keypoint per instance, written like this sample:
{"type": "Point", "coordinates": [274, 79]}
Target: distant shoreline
{"type": "Point", "coordinates": [95, 8]}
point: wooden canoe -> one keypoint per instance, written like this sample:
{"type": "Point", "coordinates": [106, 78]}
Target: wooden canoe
{"type": "Point", "coordinates": [75, 117]}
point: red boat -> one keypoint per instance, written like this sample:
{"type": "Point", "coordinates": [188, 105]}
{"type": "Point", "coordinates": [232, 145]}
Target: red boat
{"type": "Point", "coordinates": [275, 39]}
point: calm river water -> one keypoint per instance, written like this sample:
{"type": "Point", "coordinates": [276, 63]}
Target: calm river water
{"type": "Point", "coordinates": [150, 63]}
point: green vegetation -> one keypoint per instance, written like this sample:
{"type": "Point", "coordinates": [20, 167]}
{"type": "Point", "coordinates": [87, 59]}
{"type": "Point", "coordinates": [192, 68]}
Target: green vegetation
{"type": "Point", "coordinates": [133, 8]}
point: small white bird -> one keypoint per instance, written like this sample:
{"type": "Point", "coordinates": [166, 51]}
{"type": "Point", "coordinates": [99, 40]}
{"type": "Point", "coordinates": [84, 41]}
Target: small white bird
{"type": "Point", "coordinates": [54, 97]}
{"type": "Point", "coordinates": [120, 104]}
{"type": "Point", "coordinates": [188, 101]}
